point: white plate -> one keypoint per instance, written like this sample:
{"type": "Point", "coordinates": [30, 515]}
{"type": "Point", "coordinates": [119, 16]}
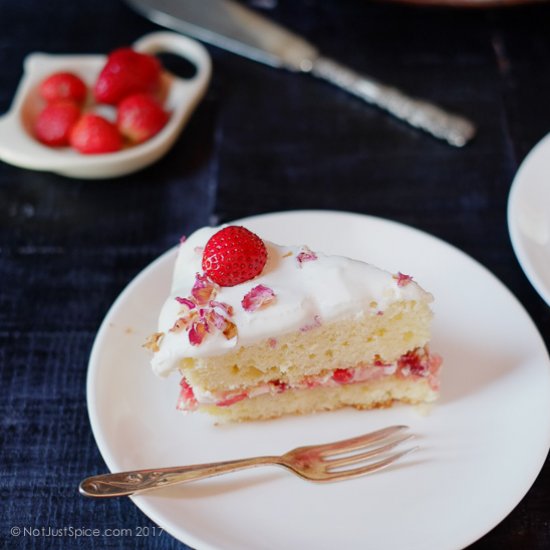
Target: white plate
{"type": "Point", "coordinates": [529, 217]}
{"type": "Point", "coordinates": [19, 147]}
{"type": "Point", "coordinates": [482, 446]}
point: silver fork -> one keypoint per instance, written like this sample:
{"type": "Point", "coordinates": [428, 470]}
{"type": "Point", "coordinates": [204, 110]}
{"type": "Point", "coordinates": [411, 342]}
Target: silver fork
{"type": "Point", "coordinates": [320, 463]}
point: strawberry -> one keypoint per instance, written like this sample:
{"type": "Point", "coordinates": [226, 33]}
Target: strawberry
{"type": "Point", "coordinates": [228, 401]}
{"type": "Point", "coordinates": [55, 122]}
{"type": "Point", "coordinates": [140, 117]}
{"type": "Point", "coordinates": [342, 376]}
{"type": "Point", "coordinates": [414, 362]}
{"type": "Point", "coordinates": [127, 72]}
{"type": "Point", "coordinates": [63, 85]}
{"type": "Point", "coordinates": [233, 255]}
{"type": "Point", "coordinates": [93, 134]}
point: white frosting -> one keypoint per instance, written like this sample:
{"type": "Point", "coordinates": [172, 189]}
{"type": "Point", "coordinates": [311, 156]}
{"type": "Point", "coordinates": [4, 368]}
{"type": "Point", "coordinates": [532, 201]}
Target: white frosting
{"type": "Point", "coordinates": [324, 289]}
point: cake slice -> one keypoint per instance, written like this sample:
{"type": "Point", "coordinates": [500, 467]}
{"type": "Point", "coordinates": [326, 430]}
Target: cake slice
{"type": "Point", "coordinates": [257, 330]}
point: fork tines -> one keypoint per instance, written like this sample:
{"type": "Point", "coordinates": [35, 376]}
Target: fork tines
{"type": "Point", "coordinates": [341, 462]}
{"type": "Point", "coordinates": [361, 441]}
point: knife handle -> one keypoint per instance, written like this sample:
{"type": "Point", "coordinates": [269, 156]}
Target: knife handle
{"type": "Point", "coordinates": [454, 129]}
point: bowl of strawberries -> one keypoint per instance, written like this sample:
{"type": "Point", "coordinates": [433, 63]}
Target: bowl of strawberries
{"type": "Point", "coordinates": [96, 116]}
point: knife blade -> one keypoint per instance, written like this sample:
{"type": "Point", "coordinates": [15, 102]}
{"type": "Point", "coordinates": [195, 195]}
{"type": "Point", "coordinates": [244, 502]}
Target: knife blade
{"type": "Point", "coordinates": [233, 27]}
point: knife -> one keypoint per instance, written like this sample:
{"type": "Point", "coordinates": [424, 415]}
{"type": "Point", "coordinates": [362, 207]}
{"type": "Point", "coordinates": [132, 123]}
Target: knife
{"type": "Point", "coordinates": [231, 26]}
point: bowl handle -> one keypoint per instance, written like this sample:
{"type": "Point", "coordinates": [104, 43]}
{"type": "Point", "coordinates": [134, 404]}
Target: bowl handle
{"type": "Point", "coordinates": [171, 42]}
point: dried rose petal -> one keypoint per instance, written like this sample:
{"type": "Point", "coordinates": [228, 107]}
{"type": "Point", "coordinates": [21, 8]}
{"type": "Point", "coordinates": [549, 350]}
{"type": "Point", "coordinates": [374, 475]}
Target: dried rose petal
{"type": "Point", "coordinates": [185, 302]}
{"type": "Point", "coordinates": [305, 255]}
{"type": "Point", "coordinates": [260, 296]}
{"type": "Point", "coordinates": [230, 330]}
{"type": "Point", "coordinates": [201, 314]}
{"type": "Point", "coordinates": [215, 319]}
{"type": "Point", "coordinates": [402, 280]}
{"type": "Point", "coordinates": [153, 341]}
{"type": "Point", "coordinates": [179, 325]}
{"type": "Point", "coordinates": [226, 308]}
{"type": "Point", "coordinates": [183, 238]}
{"type": "Point", "coordinates": [272, 342]}
{"type": "Point", "coordinates": [203, 289]}
{"type": "Point", "coordinates": [197, 332]}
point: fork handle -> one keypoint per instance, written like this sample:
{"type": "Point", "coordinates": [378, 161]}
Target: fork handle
{"type": "Point", "coordinates": [452, 128]}
{"type": "Point", "coordinates": [137, 481]}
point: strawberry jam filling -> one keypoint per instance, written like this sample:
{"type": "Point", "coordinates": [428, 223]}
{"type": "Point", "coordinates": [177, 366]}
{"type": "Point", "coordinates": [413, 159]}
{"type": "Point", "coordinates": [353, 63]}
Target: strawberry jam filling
{"type": "Point", "coordinates": [416, 364]}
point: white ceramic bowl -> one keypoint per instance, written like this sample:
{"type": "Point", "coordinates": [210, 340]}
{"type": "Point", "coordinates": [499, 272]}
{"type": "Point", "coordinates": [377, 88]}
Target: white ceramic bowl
{"type": "Point", "coordinates": [20, 148]}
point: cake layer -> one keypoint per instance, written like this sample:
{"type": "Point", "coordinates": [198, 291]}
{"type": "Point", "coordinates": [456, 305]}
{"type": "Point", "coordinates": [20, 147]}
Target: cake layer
{"type": "Point", "coordinates": [383, 392]}
{"type": "Point", "coordinates": [415, 364]}
{"type": "Point", "coordinates": [369, 336]}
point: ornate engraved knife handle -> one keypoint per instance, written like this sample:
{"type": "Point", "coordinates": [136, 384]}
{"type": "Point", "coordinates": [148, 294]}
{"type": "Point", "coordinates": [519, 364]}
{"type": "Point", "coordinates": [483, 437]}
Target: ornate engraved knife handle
{"type": "Point", "coordinates": [138, 481]}
{"type": "Point", "coordinates": [454, 129]}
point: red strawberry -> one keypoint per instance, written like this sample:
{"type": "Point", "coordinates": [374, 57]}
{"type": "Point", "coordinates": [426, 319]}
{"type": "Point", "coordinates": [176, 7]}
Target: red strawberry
{"type": "Point", "coordinates": [228, 401]}
{"type": "Point", "coordinates": [140, 117]}
{"type": "Point", "coordinates": [93, 134]}
{"type": "Point", "coordinates": [233, 255]}
{"type": "Point", "coordinates": [127, 72]}
{"type": "Point", "coordinates": [53, 125]}
{"type": "Point", "coordinates": [412, 361]}
{"type": "Point", "coordinates": [63, 86]}
{"type": "Point", "coordinates": [342, 376]}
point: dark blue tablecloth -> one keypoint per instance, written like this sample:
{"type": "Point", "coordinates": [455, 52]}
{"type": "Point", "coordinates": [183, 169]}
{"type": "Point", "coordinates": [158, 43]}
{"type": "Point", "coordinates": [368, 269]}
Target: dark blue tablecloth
{"type": "Point", "coordinates": [261, 141]}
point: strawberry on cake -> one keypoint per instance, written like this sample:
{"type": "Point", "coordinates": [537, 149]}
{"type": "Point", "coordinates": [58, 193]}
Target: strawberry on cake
{"type": "Point", "coordinates": [257, 330]}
